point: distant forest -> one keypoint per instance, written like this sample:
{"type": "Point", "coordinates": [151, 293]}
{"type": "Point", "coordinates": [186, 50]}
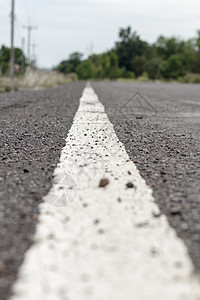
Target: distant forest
{"type": "Point", "coordinates": [133, 58]}
{"type": "Point", "coordinates": [5, 59]}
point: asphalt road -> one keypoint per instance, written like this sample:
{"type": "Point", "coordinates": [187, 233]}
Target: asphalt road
{"type": "Point", "coordinates": [33, 128]}
{"type": "Point", "coordinates": [159, 125]}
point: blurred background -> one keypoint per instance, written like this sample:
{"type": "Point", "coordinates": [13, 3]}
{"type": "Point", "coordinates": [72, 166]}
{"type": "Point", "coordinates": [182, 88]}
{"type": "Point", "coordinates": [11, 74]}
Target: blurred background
{"type": "Point", "coordinates": [98, 39]}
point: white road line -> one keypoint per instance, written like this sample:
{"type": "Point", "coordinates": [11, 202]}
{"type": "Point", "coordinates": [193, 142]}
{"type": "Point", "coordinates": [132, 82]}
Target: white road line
{"type": "Point", "coordinates": [110, 242]}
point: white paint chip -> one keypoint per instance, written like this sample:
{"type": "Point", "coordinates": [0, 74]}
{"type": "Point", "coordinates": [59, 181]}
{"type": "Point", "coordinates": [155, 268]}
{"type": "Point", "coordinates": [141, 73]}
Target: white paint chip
{"type": "Point", "coordinates": [102, 242]}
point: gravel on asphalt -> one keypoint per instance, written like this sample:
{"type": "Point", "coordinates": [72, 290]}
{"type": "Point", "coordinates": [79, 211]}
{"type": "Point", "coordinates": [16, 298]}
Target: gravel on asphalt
{"type": "Point", "coordinates": [159, 125]}
{"type": "Point", "coordinates": [33, 128]}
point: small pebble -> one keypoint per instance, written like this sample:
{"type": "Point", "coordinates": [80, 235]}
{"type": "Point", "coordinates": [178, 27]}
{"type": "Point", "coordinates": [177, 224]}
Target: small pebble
{"type": "Point", "coordinates": [35, 216]}
{"type": "Point", "coordinates": [103, 182]}
{"type": "Point", "coordinates": [139, 117]}
{"type": "Point", "coordinates": [96, 221]}
{"type": "Point", "coordinates": [130, 185]}
{"type": "Point", "coordinates": [2, 267]}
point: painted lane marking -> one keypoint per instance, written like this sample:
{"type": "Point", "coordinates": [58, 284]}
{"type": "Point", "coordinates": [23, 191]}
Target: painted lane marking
{"type": "Point", "coordinates": [111, 242]}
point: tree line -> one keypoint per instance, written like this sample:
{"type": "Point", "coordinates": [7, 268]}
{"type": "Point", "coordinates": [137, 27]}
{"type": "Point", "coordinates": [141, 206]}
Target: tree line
{"type": "Point", "coordinates": [5, 60]}
{"type": "Point", "coordinates": [131, 57]}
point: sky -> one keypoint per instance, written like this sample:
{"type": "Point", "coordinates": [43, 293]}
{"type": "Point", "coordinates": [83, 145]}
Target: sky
{"type": "Point", "coordinates": [92, 26]}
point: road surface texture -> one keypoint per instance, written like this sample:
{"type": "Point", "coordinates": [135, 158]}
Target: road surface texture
{"type": "Point", "coordinates": [33, 128]}
{"type": "Point", "coordinates": [159, 126]}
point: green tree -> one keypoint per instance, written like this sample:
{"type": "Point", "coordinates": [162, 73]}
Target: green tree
{"type": "Point", "coordinates": [139, 65]}
{"type": "Point", "coordinates": [167, 46]}
{"type": "Point", "coordinates": [197, 46]}
{"type": "Point", "coordinates": [69, 65]}
{"type": "Point", "coordinates": [188, 56]}
{"type": "Point", "coordinates": [109, 62]}
{"type": "Point", "coordinates": [154, 67]}
{"type": "Point", "coordinates": [172, 67]}
{"type": "Point", "coordinates": [129, 46]}
{"type": "Point", "coordinates": [168, 57]}
{"type": "Point", "coordinates": [84, 69]}
{"type": "Point", "coordinates": [5, 59]}
{"type": "Point", "coordinates": [96, 66]}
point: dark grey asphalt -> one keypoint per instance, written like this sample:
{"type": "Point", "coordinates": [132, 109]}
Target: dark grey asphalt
{"type": "Point", "coordinates": [33, 128]}
{"type": "Point", "coordinates": [159, 125]}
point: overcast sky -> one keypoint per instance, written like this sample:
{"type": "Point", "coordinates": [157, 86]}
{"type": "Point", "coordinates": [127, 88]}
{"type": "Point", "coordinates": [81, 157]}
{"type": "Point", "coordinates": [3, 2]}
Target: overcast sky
{"type": "Point", "coordinates": [87, 26]}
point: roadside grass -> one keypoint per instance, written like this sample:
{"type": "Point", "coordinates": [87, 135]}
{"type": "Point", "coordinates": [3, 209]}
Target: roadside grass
{"type": "Point", "coordinates": [191, 78]}
{"type": "Point", "coordinates": [139, 79]}
{"type": "Point", "coordinates": [143, 78]}
{"type": "Point", "coordinates": [188, 78]}
{"type": "Point", "coordinates": [36, 79]}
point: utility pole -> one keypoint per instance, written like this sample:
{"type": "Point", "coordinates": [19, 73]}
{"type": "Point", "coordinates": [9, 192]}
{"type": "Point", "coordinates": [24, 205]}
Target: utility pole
{"type": "Point", "coordinates": [12, 50]}
{"type": "Point", "coordinates": [29, 28]}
